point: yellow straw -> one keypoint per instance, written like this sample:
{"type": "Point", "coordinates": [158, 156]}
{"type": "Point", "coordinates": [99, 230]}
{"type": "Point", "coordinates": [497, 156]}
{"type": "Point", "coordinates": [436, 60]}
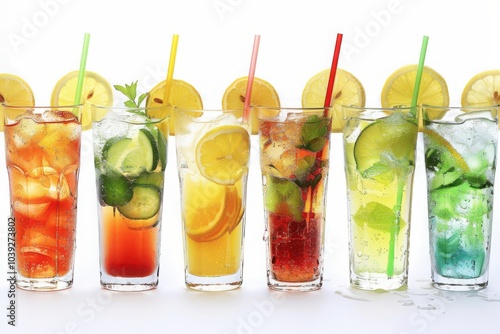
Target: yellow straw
{"type": "Point", "coordinates": [170, 73]}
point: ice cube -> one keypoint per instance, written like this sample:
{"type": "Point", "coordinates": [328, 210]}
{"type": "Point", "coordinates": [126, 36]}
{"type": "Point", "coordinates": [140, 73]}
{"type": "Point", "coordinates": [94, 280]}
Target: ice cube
{"type": "Point", "coordinates": [484, 114]}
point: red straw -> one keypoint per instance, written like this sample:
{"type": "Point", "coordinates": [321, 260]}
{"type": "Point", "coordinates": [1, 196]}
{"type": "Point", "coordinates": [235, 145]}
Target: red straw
{"type": "Point", "coordinates": [251, 75]}
{"type": "Point", "coordinates": [333, 71]}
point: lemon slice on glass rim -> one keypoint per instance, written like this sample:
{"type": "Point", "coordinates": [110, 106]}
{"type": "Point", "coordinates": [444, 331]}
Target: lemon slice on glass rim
{"type": "Point", "coordinates": [182, 95]}
{"type": "Point", "coordinates": [347, 90]}
{"type": "Point", "coordinates": [399, 86]}
{"type": "Point", "coordinates": [96, 90]}
{"type": "Point", "coordinates": [482, 90]}
{"type": "Point", "coordinates": [263, 94]}
{"type": "Point", "coordinates": [14, 91]}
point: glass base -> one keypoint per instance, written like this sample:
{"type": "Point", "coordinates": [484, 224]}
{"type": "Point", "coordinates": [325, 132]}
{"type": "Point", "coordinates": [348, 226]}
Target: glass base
{"type": "Point", "coordinates": [129, 283]}
{"type": "Point", "coordinates": [43, 284]}
{"type": "Point", "coordinates": [378, 281]}
{"type": "Point", "coordinates": [459, 284]}
{"type": "Point", "coordinates": [214, 283]}
{"type": "Point", "coordinates": [276, 285]}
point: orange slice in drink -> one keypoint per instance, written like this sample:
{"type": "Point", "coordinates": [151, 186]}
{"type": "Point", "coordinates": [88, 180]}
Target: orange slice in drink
{"type": "Point", "coordinates": [203, 207]}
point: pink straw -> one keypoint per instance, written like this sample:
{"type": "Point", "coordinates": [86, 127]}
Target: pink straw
{"type": "Point", "coordinates": [333, 72]}
{"type": "Point", "coordinates": [251, 75]}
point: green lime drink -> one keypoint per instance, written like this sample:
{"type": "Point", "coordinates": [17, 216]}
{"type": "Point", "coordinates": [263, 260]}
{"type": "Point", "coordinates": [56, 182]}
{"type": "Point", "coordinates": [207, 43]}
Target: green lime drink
{"type": "Point", "coordinates": [379, 147]}
{"type": "Point", "coordinates": [460, 157]}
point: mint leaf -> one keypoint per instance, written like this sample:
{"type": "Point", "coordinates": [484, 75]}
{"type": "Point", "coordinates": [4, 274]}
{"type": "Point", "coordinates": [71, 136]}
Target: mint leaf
{"type": "Point", "coordinates": [313, 133]}
{"type": "Point", "coordinates": [141, 98]}
{"type": "Point", "coordinates": [121, 89]}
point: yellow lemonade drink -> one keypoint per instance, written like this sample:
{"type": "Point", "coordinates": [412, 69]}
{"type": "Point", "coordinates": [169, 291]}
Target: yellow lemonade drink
{"type": "Point", "coordinates": [212, 154]}
{"type": "Point", "coordinates": [379, 146]}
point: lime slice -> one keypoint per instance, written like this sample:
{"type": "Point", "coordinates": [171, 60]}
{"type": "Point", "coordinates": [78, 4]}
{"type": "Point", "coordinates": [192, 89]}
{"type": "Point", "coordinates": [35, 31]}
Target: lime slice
{"type": "Point", "coordinates": [347, 90]}
{"type": "Point", "coordinates": [96, 90]}
{"type": "Point", "coordinates": [398, 89]}
{"type": "Point", "coordinates": [14, 91]}
{"type": "Point", "coordinates": [385, 148]}
{"type": "Point", "coordinates": [115, 189]}
{"type": "Point", "coordinates": [182, 95]}
{"type": "Point", "coordinates": [263, 94]}
{"type": "Point", "coordinates": [222, 154]}
{"type": "Point", "coordinates": [132, 157]}
{"type": "Point", "coordinates": [284, 197]}
{"type": "Point", "coordinates": [377, 216]}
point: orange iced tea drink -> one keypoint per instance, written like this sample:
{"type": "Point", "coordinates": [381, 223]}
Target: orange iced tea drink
{"type": "Point", "coordinates": [213, 150]}
{"type": "Point", "coordinates": [43, 158]}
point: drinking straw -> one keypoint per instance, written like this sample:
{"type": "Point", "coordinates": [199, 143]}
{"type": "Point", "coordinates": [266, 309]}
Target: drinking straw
{"type": "Point", "coordinates": [399, 196]}
{"type": "Point", "coordinates": [420, 70]}
{"type": "Point", "coordinates": [81, 72]}
{"type": "Point", "coordinates": [170, 72]}
{"type": "Point", "coordinates": [251, 75]}
{"type": "Point", "coordinates": [333, 72]}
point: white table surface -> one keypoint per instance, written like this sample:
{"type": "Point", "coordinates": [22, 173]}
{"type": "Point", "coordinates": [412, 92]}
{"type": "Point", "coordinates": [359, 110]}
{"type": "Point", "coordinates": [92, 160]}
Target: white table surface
{"type": "Point", "coordinates": [87, 308]}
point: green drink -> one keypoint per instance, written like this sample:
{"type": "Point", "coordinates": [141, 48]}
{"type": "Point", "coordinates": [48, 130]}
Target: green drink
{"type": "Point", "coordinates": [460, 157]}
{"type": "Point", "coordinates": [379, 146]}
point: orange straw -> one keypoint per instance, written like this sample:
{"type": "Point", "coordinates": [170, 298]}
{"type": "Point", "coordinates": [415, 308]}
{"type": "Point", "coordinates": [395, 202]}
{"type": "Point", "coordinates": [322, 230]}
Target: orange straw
{"type": "Point", "coordinates": [333, 72]}
{"type": "Point", "coordinates": [251, 75]}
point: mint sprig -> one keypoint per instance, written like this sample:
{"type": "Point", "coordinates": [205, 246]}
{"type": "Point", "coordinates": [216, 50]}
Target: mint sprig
{"type": "Point", "coordinates": [130, 91]}
{"type": "Point", "coordinates": [313, 133]}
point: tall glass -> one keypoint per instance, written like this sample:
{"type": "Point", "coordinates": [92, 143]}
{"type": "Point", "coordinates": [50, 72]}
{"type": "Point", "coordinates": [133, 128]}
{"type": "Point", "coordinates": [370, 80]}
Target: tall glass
{"type": "Point", "coordinates": [379, 148]}
{"type": "Point", "coordinates": [460, 159]}
{"type": "Point", "coordinates": [213, 150]}
{"type": "Point", "coordinates": [294, 160]}
{"type": "Point", "coordinates": [130, 154]}
{"type": "Point", "coordinates": [42, 149]}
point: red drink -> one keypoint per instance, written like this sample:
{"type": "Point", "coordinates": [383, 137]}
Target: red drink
{"type": "Point", "coordinates": [294, 162]}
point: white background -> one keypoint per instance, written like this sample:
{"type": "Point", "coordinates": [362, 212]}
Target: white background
{"type": "Point", "coordinates": [130, 40]}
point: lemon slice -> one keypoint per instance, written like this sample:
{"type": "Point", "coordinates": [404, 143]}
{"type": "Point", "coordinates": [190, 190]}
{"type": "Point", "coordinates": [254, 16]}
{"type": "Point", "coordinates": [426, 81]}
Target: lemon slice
{"type": "Point", "coordinates": [398, 89]}
{"type": "Point", "coordinates": [482, 90]}
{"type": "Point", "coordinates": [95, 90]}
{"type": "Point", "coordinates": [182, 95]}
{"type": "Point", "coordinates": [222, 154]}
{"type": "Point", "coordinates": [263, 94]}
{"type": "Point", "coordinates": [347, 90]}
{"type": "Point", "coordinates": [14, 91]}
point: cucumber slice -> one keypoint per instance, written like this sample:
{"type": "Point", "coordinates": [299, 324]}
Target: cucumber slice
{"type": "Point", "coordinates": [115, 189]}
{"type": "Point", "coordinates": [145, 202]}
{"type": "Point", "coordinates": [132, 157]}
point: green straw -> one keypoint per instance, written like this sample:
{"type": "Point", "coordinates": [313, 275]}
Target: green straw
{"type": "Point", "coordinates": [81, 72]}
{"type": "Point", "coordinates": [420, 70]}
{"type": "Point", "coordinates": [399, 196]}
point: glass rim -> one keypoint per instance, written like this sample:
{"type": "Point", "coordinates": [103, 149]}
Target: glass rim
{"type": "Point", "coordinates": [293, 109]}
{"type": "Point", "coordinates": [212, 110]}
{"type": "Point", "coordinates": [5, 105]}
{"type": "Point", "coordinates": [478, 108]}
{"type": "Point", "coordinates": [403, 107]}
{"type": "Point", "coordinates": [101, 106]}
